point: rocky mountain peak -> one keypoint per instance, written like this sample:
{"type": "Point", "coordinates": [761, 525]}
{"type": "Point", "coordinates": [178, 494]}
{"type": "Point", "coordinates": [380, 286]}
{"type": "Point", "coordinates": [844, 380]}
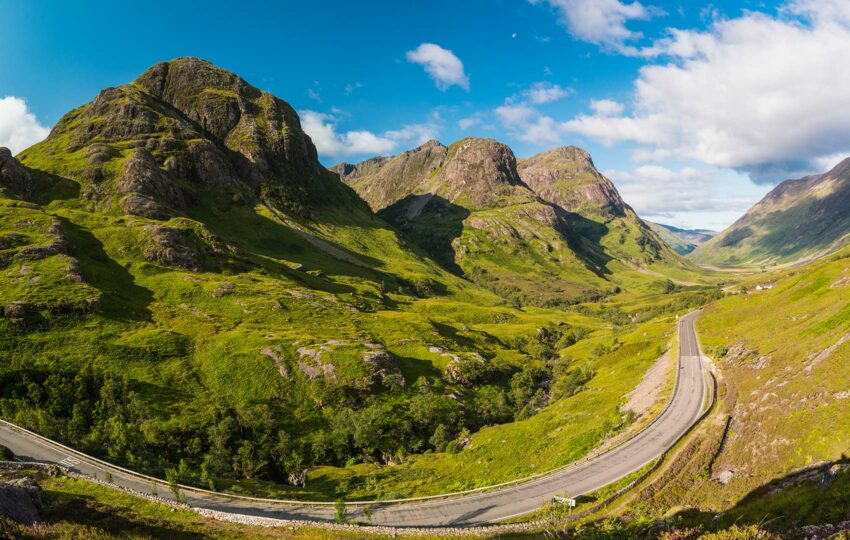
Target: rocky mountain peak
{"type": "Point", "coordinates": [480, 172]}
{"type": "Point", "coordinates": [13, 176]}
{"type": "Point", "coordinates": [204, 129]}
{"type": "Point", "coordinates": [567, 177]}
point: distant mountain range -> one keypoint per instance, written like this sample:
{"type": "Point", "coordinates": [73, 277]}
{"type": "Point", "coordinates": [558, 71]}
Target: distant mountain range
{"type": "Point", "coordinates": [799, 219]}
{"type": "Point", "coordinates": [683, 241]}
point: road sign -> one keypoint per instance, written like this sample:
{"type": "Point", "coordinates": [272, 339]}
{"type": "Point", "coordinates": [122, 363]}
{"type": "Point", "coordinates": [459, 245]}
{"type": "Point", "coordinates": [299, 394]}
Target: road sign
{"type": "Point", "coordinates": [569, 501]}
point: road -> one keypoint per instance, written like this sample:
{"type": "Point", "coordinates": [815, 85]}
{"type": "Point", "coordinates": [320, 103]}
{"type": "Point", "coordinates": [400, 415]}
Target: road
{"type": "Point", "coordinates": [582, 477]}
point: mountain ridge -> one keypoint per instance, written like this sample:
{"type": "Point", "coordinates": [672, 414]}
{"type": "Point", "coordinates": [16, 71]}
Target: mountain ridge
{"type": "Point", "coordinates": [798, 220]}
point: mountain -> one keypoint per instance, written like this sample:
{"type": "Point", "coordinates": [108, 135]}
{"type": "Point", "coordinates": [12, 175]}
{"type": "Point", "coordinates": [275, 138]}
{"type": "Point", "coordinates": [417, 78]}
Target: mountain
{"type": "Point", "coordinates": [568, 178]}
{"type": "Point", "coordinates": [799, 219]}
{"type": "Point", "coordinates": [186, 291]}
{"type": "Point", "coordinates": [683, 241]}
{"type": "Point", "coordinates": [467, 206]}
{"type": "Point", "coordinates": [547, 229]}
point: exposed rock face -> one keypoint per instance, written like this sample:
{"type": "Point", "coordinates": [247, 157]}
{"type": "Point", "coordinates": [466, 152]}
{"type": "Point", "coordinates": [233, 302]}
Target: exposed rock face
{"type": "Point", "coordinates": [382, 181]}
{"type": "Point", "coordinates": [13, 175]}
{"type": "Point", "coordinates": [567, 177]}
{"type": "Point", "coordinates": [263, 130]}
{"type": "Point", "coordinates": [198, 130]}
{"type": "Point", "coordinates": [148, 191]}
{"type": "Point", "coordinates": [481, 171]}
{"type": "Point", "coordinates": [473, 173]}
{"type": "Point", "coordinates": [172, 247]}
{"type": "Point", "coordinates": [20, 501]}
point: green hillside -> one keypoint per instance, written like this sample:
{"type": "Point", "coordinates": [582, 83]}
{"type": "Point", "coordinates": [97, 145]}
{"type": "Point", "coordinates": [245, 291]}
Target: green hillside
{"type": "Point", "coordinates": [187, 292]}
{"type": "Point", "coordinates": [799, 220]}
{"type": "Point", "coordinates": [547, 230]}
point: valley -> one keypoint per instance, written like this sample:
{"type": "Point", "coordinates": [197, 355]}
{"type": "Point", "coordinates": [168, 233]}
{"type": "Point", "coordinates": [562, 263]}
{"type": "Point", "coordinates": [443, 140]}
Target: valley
{"type": "Point", "coordinates": [189, 295]}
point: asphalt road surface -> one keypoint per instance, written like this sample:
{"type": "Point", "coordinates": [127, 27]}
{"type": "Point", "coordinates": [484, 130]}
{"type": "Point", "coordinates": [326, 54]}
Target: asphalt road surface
{"type": "Point", "coordinates": [582, 477]}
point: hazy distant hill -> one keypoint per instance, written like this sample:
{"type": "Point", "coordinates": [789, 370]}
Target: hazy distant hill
{"type": "Point", "coordinates": [683, 241]}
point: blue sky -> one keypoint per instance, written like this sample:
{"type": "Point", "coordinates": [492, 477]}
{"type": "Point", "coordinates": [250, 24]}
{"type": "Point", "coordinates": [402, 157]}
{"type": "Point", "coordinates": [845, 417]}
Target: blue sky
{"type": "Point", "coordinates": [676, 101]}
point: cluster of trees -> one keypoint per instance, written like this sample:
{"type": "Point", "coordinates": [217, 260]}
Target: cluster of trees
{"type": "Point", "coordinates": [104, 414]}
{"type": "Point", "coordinates": [113, 417]}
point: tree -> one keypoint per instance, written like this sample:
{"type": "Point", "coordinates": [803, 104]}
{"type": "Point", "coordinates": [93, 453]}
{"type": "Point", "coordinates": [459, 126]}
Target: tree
{"type": "Point", "coordinates": [440, 438]}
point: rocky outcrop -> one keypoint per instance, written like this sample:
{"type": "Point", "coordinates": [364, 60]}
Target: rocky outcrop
{"type": "Point", "coordinates": [567, 177]}
{"type": "Point", "coordinates": [20, 500]}
{"type": "Point", "coordinates": [13, 176]}
{"type": "Point", "coordinates": [171, 247]}
{"type": "Point", "coordinates": [480, 172]}
{"type": "Point", "coordinates": [147, 190]}
{"type": "Point", "coordinates": [198, 132]}
{"type": "Point", "coordinates": [382, 181]}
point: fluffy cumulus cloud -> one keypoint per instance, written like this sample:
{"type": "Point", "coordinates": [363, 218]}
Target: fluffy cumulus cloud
{"type": "Point", "coordinates": [764, 95]}
{"type": "Point", "coordinates": [601, 22]}
{"type": "Point", "coordinates": [521, 116]}
{"type": "Point", "coordinates": [606, 107]}
{"type": "Point", "coordinates": [330, 142]}
{"type": "Point", "coordinates": [441, 64]}
{"type": "Point", "coordinates": [657, 193]}
{"type": "Point", "coordinates": [19, 128]}
{"type": "Point", "coordinates": [543, 92]}
{"type": "Point", "coordinates": [527, 124]}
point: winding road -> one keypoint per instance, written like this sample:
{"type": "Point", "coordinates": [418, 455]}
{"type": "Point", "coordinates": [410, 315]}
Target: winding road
{"type": "Point", "coordinates": [583, 476]}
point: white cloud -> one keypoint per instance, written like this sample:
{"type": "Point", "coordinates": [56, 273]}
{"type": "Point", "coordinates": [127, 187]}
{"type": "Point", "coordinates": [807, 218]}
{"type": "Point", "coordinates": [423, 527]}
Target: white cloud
{"type": "Point", "coordinates": [763, 95]}
{"type": "Point", "coordinates": [441, 64]}
{"type": "Point", "coordinates": [528, 125]}
{"type": "Point", "coordinates": [601, 22]}
{"type": "Point", "coordinates": [312, 94]}
{"type": "Point", "coordinates": [606, 107]}
{"type": "Point", "coordinates": [416, 133]}
{"type": "Point", "coordinates": [322, 128]}
{"type": "Point", "coordinates": [471, 121]}
{"type": "Point", "coordinates": [657, 192]}
{"type": "Point", "coordinates": [544, 92]}
{"type": "Point", "coordinates": [19, 128]}
{"type": "Point", "coordinates": [351, 87]}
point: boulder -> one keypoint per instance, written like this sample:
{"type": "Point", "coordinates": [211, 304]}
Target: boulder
{"type": "Point", "coordinates": [13, 175]}
{"type": "Point", "coordinates": [170, 246]}
{"type": "Point", "coordinates": [20, 501]}
{"type": "Point", "coordinates": [147, 189]}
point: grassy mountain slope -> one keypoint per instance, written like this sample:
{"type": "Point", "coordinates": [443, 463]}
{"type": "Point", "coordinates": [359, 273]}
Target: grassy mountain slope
{"type": "Point", "coordinates": [547, 230]}
{"type": "Point", "coordinates": [683, 241]}
{"type": "Point", "coordinates": [785, 353]}
{"type": "Point", "coordinates": [635, 256]}
{"type": "Point", "coordinates": [186, 291]}
{"type": "Point", "coordinates": [799, 219]}
{"type": "Point", "coordinates": [467, 206]}
{"type": "Point", "coordinates": [773, 452]}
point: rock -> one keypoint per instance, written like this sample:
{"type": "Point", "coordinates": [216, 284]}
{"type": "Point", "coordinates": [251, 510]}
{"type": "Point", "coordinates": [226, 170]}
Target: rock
{"type": "Point", "coordinates": [724, 477]}
{"type": "Point", "coordinates": [18, 310]}
{"type": "Point", "coordinates": [170, 247]}
{"type": "Point", "coordinates": [13, 175]}
{"type": "Point", "coordinates": [481, 171]}
{"type": "Point", "coordinates": [210, 167]}
{"type": "Point", "coordinates": [225, 289]}
{"type": "Point", "coordinates": [385, 367]}
{"type": "Point", "coordinates": [567, 177]}
{"type": "Point", "coordinates": [147, 189]}
{"type": "Point", "coordinates": [20, 501]}
{"type": "Point", "coordinates": [276, 354]}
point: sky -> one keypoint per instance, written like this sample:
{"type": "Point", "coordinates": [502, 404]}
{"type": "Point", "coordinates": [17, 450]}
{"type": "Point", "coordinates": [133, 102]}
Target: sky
{"type": "Point", "coordinates": [695, 110]}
